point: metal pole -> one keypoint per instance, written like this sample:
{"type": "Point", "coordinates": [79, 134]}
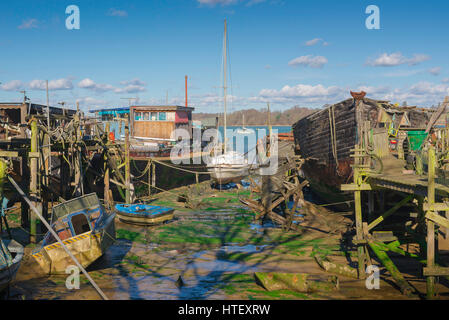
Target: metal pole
{"type": "Point", "coordinates": [49, 140]}
{"type": "Point", "coordinates": [127, 166]}
{"type": "Point", "coordinates": [186, 95]}
{"type": "Point", "coordinates": [224, 87]}
{"type": "Point", "coordinates": [106, 171]}
{"type": "Point", "coordinates": [57, 238]}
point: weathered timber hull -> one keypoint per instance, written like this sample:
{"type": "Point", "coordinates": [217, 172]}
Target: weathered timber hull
{"type": "Point", "coordinates": [9, 271]}
{"type": "Point", "coordinates": [8, 275]}
{"type": "Point", "coordinates": [326, 138]}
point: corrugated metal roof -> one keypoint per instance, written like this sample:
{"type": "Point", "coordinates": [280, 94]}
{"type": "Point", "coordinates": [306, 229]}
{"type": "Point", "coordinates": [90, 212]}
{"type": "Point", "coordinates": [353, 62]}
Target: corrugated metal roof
{"type": "Point", "coordinates": [110, 109]}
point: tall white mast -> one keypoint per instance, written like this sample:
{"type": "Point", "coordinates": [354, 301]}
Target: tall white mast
{"type": "Point", "coordinates": [224, 86]}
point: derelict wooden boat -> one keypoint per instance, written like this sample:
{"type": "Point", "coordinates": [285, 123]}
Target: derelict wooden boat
{"type": "Point", "coordinates": [84, 227]}
{"type": "Point", "coordinates": [143, 214]}
{"type": "Point", "coordinates": [11, 254]}
{"type": "Point", "coordinates": [325, 138]}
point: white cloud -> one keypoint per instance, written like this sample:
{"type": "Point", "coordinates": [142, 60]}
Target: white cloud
{"type": "Point", "coordinates": [212, 3]}
{"type": "Point", "coordinates": [135, 81]}
{"type": "Point", "coordinates": [396, 59]}
{"type": "Point", "coordinates": [309, 61]}
{"type": "Point", "coordinates": [130, 86]}
{"type": "Point", "coordinates": [117, 13]}
{"type": "Point", "coordinates": [313, 42]}
{"type": "Point", "coordinates": [99, 87]}
{"type": "Point", "coordinates": [89, 101]}
{"type": "Point", "coordinates": [217, 2]}
{"type": "Point", "coordinates": [445, 80]}
{"type": "Point", "coordinates": [29, 24]}
{"type": "Point", "coordinates": [254, 2]}
{"type": "Point", "coordinates": [13, 85]}
{"type": "Point", "coordinates": [130, 89]}
{"type": "Point", "coordinates": [435, 71]}
{"type": "Point", "coordinates": [59, 84]}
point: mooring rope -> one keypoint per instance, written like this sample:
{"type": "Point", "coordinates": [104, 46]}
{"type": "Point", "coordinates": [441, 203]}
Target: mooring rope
{"type": "Point", "coordinates": [178, 168]}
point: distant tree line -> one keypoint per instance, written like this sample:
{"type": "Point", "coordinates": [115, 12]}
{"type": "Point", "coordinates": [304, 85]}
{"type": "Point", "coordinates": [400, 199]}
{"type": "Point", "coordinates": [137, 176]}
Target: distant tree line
{"type": "Point", "coordinates": [255, 117]}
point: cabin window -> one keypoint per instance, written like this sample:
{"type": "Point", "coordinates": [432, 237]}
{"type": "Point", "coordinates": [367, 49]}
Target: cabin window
{"type": "Point", "coordinates": [162, 116]}
{"type": "Point", "coordinates": [107, 117]}
{"type": "Point", "coordinates": [80, 224]}
{"type": "Point", "coordinates": [170, 116]}
{"type": "Point", "coordinates": [153, 116]}
{"type": "Point", "coordinates": [138, 116]}
{"type": "Point", "coordinates": [145, 116]}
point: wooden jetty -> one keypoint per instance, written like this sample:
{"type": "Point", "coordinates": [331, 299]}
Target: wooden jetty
{"type": "Point", "coordinates": [424, 190]}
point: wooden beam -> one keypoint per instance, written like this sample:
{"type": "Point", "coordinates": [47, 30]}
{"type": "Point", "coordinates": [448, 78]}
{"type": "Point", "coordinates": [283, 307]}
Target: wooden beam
{"type": "Point", "coordinates": [355, 187]}
{"type": "Point", "coordinates": [389, 212]}
{"type": "Point", "coordinates": [436, 207]}
{"type": "Point", "coordinates": [435, 217]}
{"type": "Point", "coordinates": [403, 285]}
{"type": "Point", "coordinates": [435, 271]}
{"type": "Point", "coordinates": [9, 154]}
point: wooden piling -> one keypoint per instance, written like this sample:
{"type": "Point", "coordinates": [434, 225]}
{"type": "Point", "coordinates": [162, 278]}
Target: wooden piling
{"type": "Point", "coordinates": [33, 179]}
{"type": "Point", "coordinates": [430, 223]}
{"type": "Point", "coordinates": [106, 171]}
{"type": "Point", "coordinates": [149, 178]}
{"type": "Point", "coordinates": [127, 166]}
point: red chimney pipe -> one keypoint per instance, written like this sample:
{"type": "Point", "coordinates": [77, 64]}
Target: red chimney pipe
{"type": "Point", "coordinates": [186, 92]}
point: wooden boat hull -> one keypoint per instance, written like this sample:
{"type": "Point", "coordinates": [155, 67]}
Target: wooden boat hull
{"type": "Point", "coordinates": [326, 138]}
{"type": "Point", "coordinates": [8, 274]}
{"type": "Point", "coordinates": [86, 248]}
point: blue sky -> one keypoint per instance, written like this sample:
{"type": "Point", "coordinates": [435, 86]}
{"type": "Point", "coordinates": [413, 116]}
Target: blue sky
{"type": "Point", "coordinates": [288, 52]}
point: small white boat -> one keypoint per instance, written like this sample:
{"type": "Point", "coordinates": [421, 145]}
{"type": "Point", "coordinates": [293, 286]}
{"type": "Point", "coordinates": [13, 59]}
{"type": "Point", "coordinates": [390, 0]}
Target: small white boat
{"type": "Point", "coordinates": [228, 167]}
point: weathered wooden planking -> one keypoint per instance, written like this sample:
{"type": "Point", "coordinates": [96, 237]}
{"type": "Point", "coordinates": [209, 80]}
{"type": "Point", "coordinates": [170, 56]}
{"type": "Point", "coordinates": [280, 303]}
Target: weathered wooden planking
{"type": "Point", "coordinates": [408, 183]}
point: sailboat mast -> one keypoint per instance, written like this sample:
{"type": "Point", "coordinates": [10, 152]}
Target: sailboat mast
{"type": "Point", "coordinates": [224, 86]}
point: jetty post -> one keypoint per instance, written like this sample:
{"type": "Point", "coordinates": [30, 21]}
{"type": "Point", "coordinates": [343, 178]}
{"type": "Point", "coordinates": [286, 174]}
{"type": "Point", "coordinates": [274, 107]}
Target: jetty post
{"type": "Point", "coordinates": [34, 155]}
{"type": "Point", "coordinates": [127, 166]}
{"type": "Point", "coordinates": [106, 169]}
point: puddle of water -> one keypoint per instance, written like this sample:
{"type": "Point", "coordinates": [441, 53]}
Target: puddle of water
{"type": "Point", "coordinates": [248, 248]}
{"type": "Point", "coordinates": [156, 288]}
{"type": "Point", "coordinates": [265, 225]}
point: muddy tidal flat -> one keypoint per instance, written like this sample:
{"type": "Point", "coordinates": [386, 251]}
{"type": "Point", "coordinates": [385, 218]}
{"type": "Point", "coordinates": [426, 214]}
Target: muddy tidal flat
{"type": "Point", "coordinates": [213, 251]}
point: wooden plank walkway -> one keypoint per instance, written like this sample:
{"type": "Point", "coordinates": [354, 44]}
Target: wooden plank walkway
{"type": "Point", "coordinates": [407, 183]}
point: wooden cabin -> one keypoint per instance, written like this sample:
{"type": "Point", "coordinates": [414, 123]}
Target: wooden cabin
{"type": "Point", "coordinates": [158, 122]}
{"type": "Point", "coordinates": [325, 138]}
